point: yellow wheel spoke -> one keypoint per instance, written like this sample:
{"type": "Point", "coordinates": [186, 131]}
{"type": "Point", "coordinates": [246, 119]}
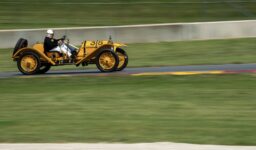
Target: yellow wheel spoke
{"type": "Point", "coordinates": [107, 60]}
{"type": "Point", "coordinates": [29, 63]}
{"type": "Point", "coordinates": [121, 59]}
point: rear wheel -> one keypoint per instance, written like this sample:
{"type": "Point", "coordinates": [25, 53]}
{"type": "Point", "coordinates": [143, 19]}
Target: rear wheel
{"type": "Point", "coordinates": [123, 59]}
{"type": "Point", "coordinates": [29, 63]}
{"type": "Point", "coordinates": [107, 61]}
{"type": "Point", "coordinates": [44, 68]}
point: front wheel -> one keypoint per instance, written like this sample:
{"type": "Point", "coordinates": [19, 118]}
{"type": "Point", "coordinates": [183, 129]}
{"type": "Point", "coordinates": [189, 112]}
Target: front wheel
{"type": "Point", "coordinates": [29, 63]}
{"type": "Point", "coordinates": [107, 61]}
{"type": "Point", "coordinates": [123, 59]}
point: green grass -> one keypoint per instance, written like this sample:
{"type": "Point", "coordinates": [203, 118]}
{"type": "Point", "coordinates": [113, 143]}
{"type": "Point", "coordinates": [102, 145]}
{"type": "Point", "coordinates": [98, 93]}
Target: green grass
{"type": "Point", "coordinates": [174, 53]}
{"type": "Point", "coordinates": [193, 52]}
{"type": "Point", "coordinates": [192, 109]}
{"type": "Point", "coordinates": [57, 13]}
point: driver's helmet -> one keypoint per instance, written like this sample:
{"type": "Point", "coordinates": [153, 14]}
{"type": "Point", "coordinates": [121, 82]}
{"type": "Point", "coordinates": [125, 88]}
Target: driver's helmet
{"type": "Point", "coordinates": [50, 31]}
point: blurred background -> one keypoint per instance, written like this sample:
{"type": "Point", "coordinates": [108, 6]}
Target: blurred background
{"type": "Point", "coordinates": [202, 109]}
{"type": "Point", "coordinates": [65, 13]}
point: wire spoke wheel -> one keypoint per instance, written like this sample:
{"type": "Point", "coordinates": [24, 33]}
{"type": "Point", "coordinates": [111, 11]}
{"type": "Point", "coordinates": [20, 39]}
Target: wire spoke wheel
{"type": "Point", "coordinates": [123, 59]}
{"type": "Point", "coordinates": [107, 61]}
{"type": "Point", "coordinates": [28, 63]}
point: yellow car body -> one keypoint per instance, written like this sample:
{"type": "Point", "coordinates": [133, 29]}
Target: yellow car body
{"type": "Point", "coordinates": [107, 55]}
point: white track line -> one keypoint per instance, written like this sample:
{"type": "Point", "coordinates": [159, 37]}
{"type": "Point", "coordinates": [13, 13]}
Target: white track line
{"type": "Point", "coordinates": [127, 3]}
{"type": "Point", "coordinates": [120, 146]}
{"type": "Point", "coordinates": [129, 26]}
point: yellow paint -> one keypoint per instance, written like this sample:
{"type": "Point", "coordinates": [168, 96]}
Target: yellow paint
{"type": "Point", "coordinates": [39, 47]}
{"type": "Point", "coordinates": [121, 58]}
{"type": "Point", "coordinates": [179, 73]}
{"type": "Point", "coordinates": [87, 51]}
{"type": "Point", "coordinates": [41, 54]}
{"type": "Point", "coordinates": [107, 60]}
{"type": "Point", "coordinates": [139, 74]}
{"type": "Point", "coordinates": [29, 63]}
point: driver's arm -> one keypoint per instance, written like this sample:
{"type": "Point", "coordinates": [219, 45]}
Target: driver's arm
{"type": "Point", "coordinates": [61, 39]}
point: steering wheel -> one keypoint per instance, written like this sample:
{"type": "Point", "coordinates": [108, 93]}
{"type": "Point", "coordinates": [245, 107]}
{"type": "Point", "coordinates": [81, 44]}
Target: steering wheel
{"type": "Point", "coordinates": [64, 37]}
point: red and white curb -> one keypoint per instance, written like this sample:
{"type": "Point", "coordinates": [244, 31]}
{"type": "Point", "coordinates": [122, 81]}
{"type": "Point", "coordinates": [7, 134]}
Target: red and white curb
{"type": "Point", "coordinates": [194, 72]}
{"type": "Point", "coordinates": [177, 73]}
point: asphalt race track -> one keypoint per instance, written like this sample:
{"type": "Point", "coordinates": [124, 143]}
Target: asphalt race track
{"type": "Point", "coordinates": [199, 69]}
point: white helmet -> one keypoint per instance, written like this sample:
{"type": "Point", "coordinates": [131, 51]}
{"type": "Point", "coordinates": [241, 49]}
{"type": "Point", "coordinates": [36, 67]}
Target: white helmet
{"type": "Point", "coordinates": [50, 31]}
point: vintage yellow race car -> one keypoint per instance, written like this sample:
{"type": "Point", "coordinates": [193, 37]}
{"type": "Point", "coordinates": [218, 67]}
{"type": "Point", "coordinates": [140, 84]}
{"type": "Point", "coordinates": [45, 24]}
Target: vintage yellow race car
{"type": "Point", "coordinates": [107, 55]}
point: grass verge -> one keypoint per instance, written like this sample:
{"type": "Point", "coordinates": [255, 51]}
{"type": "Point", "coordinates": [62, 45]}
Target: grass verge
{"type": "Point", "coordinates": [192, 109]}
{"type": "Point", "coordinates": [66, 13]}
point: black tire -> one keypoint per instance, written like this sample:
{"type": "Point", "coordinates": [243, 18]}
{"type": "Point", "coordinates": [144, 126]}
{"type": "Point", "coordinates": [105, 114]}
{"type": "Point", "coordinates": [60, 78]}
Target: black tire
{"type": "Point", "coordinates": [21, 43]}
{"type": "Point", "coordinates": [44, 68]}
{"type": "Point", "coordinates": [35, 57]}
{"type": "Point", "coordinates": [120, 68]}
{"type": "Point", "coordinates": [113, 68]}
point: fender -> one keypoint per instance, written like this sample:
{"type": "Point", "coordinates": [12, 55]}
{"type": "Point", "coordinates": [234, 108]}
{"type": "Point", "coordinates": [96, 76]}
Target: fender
{"type": "Point", "coordinates": [116, 45]}
{"type": "Point", "coordinates": [119, 44]}
{"type": "Point", "coordinates": [41, 54]}
{"type": "Point", "coordinates": [96, 52]}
